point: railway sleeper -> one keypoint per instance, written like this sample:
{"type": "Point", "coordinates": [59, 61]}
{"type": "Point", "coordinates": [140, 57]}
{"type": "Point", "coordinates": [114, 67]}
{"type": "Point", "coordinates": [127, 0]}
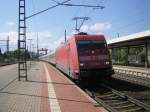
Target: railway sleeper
{"type": "Point", "coordinates": [106, 95]}
{"type": "Point", "coordinates": [123, 106]}
{"type": "Point", "coordinates": [129, 109]}
{"type": "Point", "coordinates": [120, 103]}
{"type": "Point", "coordinates": [140, 109]}
{"type": "Point", "coordinates": [112, 101]}
{"type": "Point", "coordinates": [113, 98]}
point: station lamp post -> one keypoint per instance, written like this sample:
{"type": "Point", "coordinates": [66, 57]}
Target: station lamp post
{"type": "Point", "coordinates": [30, 40]}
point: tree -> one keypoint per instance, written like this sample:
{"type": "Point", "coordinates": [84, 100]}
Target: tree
{"type": "Point", "coordinates": [14, 54]}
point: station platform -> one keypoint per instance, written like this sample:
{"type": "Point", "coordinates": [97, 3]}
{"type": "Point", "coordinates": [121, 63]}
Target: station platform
{"type": "Point", "coordinates": [145, 72]}
{"type": "Point", "coordinates": [137, 75]}
{"type": "Point", "coordinates": [47, 90]}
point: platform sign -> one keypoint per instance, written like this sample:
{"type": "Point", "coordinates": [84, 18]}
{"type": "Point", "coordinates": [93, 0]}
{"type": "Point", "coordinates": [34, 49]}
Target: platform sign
{"type": "Point", "coordinates": [132, 58]}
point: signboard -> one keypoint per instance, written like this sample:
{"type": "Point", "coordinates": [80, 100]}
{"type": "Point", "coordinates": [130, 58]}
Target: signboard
{"type": "Point", "coordinates": [132, 58]}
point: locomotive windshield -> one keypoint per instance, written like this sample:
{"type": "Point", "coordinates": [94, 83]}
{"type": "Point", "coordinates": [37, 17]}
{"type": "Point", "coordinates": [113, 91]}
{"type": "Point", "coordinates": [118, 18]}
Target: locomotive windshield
{"type": "Point", "coordinates": [84, 45]}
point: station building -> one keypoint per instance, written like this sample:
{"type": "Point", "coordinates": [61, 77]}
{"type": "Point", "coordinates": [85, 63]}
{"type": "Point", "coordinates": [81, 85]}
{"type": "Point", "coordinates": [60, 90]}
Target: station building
{"type": "Point", "coordinates": [131, 50]}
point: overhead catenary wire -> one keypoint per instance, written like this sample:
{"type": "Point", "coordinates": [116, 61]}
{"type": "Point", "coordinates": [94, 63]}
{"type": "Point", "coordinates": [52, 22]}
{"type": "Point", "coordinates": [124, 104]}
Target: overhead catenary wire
{"type": "Point", "coordinates": [79, 5]}
{"type": "Point", "coordinates": [65, 3]}
{"type": "Point", "coordinates": [46, 9]}
{"type": "Point", "coordinates": [85, 14]}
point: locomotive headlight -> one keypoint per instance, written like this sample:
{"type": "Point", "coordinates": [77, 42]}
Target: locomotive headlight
{"type": "Point", "coordinates": [107, 62]}
{"type": "Point", "coordinates": [81, 64]}
{"type": "Point", "coordinates": [76, 71]}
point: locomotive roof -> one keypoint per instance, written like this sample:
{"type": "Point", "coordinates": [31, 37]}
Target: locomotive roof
{"type": "Point", "coordinates": [84, 36]}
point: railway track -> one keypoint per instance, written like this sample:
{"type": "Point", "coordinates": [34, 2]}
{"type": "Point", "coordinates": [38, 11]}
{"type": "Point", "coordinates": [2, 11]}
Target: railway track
{"type": "Point", "coordinates": [115, 101]}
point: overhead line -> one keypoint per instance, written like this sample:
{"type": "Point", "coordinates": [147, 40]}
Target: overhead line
{"type": "Point", "coordinates": [92, 6]}
{"type": "Point", "coordinates": [79, 5]}
{"type": "Point", "coordinates": [46, 9]}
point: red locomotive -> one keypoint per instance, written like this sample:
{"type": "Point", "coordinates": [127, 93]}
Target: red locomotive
{"type": "Point", "coordinates": [84, 57]}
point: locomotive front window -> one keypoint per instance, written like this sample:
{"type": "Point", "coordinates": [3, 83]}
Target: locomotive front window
{"type": "Point", "coordinates": [91, 45]}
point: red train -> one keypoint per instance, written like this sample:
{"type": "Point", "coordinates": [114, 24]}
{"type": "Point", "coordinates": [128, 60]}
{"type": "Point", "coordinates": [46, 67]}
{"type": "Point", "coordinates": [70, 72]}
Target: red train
{"type": "Point", "coordinates": [84, 57]}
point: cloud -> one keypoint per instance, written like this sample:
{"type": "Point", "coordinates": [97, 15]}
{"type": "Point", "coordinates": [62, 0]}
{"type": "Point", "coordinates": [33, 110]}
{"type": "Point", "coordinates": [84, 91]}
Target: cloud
{"type": "Point", "coordinates": [13, 36]}
{"type": "Point", "coordinates": [53, 45]}
{"type": "Point", "coordinates": [85, 28]}
{"type": "Point", "coordinates": [45, 39]}
{"type": "Point", "coordinates": [11, 24]}
{"type": "Point", "coordinates": [44, 34]}
{"type": "Point", "coordinates": [95, 28]}
{"type": "Point", "coordinates": [32, 35]}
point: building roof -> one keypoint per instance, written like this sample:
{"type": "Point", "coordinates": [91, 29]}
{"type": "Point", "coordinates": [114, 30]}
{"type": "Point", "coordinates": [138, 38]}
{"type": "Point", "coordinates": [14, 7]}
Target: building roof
{"type": "Point", "coordinates": [130, 37]}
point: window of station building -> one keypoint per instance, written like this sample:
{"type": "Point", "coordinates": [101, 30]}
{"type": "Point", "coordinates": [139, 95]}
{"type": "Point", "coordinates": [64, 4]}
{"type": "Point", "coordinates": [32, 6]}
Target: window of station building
{"type": "Point", "coordinates": [137, 55]}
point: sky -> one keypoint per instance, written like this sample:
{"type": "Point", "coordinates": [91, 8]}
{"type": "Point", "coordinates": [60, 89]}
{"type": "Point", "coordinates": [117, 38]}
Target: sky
{"type": "Point", "coordinates": [119, 17]}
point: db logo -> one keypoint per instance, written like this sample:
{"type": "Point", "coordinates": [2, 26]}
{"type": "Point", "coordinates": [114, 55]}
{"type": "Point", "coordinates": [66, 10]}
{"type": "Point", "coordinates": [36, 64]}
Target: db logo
{"type": "Point", "coordinates": [93, 52]}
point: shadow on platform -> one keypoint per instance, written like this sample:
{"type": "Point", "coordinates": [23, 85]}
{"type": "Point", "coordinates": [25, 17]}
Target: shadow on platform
{"type": "Point", "coordinates": [35, 81]}
{"type": "Point", "coordinates": [40, 96]}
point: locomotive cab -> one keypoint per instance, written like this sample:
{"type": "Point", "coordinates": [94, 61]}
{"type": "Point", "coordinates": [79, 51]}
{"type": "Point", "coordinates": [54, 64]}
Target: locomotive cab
{"type": "Point", "coordinates": [94, 58]}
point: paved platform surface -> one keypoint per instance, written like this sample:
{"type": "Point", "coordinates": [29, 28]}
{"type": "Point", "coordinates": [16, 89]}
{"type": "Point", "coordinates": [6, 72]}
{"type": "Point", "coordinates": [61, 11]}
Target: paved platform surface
{"type": "Point", "coordinates": [136, 75]}
{"type": "Point", "coordinates": [133, 68]}
{"type": "Point", "coordinates": [47, 90]}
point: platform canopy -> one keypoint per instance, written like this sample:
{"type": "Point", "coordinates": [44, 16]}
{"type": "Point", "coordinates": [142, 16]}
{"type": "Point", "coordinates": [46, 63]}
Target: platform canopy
{"type": "Point", "coordinates": [140, 38]}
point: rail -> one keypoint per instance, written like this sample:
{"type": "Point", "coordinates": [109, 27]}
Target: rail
{"type": "Point", "coordinates": [115, 101]}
